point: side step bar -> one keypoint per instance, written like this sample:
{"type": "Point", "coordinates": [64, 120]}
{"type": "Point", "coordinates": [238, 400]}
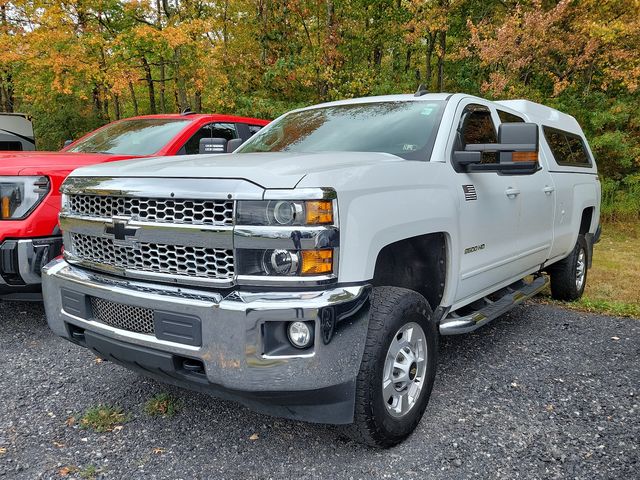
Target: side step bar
{"type": "Point", "coordinates": [454, 324]}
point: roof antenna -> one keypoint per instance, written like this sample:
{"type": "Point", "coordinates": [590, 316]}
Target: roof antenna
{"type": "Point", "coordinates": [422, 90]}
{"type": "Point", "coordinates": [186, 111]}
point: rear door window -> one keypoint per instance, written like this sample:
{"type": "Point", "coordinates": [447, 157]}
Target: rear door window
{"type": "Point", "coordinates": [506, 117]}
{"type": "Point", "coordinates": [567, 148]}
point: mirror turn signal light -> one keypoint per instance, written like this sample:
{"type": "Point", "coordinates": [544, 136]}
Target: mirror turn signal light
{"type": "Point", "coordinates": [319, 212]}
{"type": "Point", "coordinates": [524, 157]}
{"type": "Point", "coordinates": [316, 262]}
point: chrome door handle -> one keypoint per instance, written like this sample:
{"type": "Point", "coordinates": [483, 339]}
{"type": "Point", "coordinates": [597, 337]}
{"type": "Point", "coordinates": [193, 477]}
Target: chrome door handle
{"type": "Point", "coordinates": [512, 192]}
{"type": "Point", "coordinates": [549, 190]}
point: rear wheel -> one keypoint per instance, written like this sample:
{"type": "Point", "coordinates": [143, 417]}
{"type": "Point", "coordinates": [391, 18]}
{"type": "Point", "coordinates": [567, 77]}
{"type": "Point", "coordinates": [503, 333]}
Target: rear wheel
{"type": "Point", "coordinates": [569, 276]}
{"type": "Point", "coordinates": [398, 367]}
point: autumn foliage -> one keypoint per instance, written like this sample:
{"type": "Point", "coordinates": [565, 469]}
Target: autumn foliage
{"type": "Point", "coordinates": [76, 64]}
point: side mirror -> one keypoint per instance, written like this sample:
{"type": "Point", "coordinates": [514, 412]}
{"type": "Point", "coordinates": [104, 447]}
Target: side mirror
{"type": "Point", "coordinates": [212, 145]}
{"type": "Point", "coordinates": [516, 150]}
{"type": "Point", "coordinates": [67, 143]}
{"type": "Point", "coordinates": [232, 145]}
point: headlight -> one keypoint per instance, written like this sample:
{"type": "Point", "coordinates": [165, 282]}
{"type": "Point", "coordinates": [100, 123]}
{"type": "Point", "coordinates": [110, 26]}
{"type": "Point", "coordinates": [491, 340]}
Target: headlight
{"type": "Point", "coordinates": [20, 195]}
{"type": "Point", "coordinates": [282, 262]}
{"type": "Point", "coordinates": [285, 212]}
{"type": "Point", "coordinates": [286, 239]}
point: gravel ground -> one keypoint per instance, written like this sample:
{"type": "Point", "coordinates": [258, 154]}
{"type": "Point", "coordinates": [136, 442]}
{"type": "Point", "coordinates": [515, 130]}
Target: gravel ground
{"type": "Point", "coordinates": [539, 393]}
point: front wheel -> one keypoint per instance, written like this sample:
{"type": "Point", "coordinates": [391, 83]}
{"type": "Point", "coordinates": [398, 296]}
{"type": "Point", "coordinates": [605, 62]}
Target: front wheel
{"type": "Point", "coordinates": [569, 276]}
{"type": "Point", "coordinates": [398, 367]}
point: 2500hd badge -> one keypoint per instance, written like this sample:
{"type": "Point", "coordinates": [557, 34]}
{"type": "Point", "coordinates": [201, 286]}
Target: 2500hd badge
{"type": "Point", "coordinates": [475, 248]}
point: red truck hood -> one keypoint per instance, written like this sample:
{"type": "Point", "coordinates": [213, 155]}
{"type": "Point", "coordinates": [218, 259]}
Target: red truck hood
{"type": "Point", "coordinates": [40, 163]}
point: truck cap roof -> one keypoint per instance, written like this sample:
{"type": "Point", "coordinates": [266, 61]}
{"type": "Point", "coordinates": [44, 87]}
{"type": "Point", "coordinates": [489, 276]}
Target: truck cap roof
{"type": "Point", "coordinates": [534, 112]}
{"type": "Point", "coordinates": [538, 113]}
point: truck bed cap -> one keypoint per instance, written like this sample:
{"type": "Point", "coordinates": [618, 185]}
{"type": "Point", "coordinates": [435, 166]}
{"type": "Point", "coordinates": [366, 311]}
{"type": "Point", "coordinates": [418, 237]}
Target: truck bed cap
{"type": "Point", "coordinates": [536, 112]}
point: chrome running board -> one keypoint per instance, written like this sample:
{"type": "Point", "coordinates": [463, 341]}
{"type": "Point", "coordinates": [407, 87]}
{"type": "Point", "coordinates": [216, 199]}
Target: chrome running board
{"type": "Point", "coordinates": [487, 310]}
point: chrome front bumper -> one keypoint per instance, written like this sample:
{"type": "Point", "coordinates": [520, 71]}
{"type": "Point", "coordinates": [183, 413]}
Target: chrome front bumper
{"type": "Point", "coordinates": [232, 349]}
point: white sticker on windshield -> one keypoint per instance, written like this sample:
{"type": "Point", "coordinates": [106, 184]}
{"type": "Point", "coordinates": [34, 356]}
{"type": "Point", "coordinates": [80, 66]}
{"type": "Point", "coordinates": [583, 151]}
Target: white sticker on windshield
{"type": "Point", "coordinates": [428, 110]}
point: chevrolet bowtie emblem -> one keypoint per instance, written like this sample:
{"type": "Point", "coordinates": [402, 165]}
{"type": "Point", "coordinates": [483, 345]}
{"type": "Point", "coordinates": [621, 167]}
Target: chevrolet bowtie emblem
{"type": "Point", "coordinates": [120, 230]}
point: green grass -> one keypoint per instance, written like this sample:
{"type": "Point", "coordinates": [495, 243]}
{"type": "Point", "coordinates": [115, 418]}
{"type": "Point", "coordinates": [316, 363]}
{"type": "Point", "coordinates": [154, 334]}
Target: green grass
{"type": "Point", "coordinates": [103, 418]}
{"type": "Point", "coordinates": [162, 404]}
{"type": "Point", "coordinates": [619, 309]}
{"type": "Point", "coordinates": [90, 472]}
{"type": "Point", "coordinates": [613, 282]}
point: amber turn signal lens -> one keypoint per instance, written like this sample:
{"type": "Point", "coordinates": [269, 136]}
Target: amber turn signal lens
{"type": "Point", "coordinates": [5, 208]}
{"type": "Point", "coordinates": [319, 212]}
{"type": "Point", "coordinates": [524, 157]}
{"type": "Point", "coordinates": [316, 262]}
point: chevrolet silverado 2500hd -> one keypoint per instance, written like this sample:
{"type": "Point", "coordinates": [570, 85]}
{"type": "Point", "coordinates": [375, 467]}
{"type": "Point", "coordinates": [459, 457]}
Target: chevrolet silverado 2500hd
{"type": "Point", "coordinates": [30, 183]}
{"type": "Point", "coordinates": [310, 273]}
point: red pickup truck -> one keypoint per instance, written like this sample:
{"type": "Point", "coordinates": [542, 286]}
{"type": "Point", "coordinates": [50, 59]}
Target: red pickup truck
{"type": "Point", "coordinates": [30, 182]}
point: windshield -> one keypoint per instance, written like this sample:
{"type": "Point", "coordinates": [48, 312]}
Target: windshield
{"type": "Point", "coordinates": [405, 129]}
{"type": "Point", "coordinates": [131, 137]}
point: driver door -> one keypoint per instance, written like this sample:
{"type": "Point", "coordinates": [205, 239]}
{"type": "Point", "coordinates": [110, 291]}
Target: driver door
{"type": "Point", "coordinates": [489, 214]}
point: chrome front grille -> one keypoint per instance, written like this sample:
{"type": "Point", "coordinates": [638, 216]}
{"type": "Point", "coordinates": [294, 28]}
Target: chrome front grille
{"type": "Point", "coordinates": [126, 317]}
{"type": "Point", "coordinates": [189, 261]}
{"type": "Point", "coordinates": [161, 210]}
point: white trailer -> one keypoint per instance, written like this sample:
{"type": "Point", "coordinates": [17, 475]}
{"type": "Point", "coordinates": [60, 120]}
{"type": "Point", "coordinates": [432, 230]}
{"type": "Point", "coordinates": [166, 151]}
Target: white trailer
{"type": "Point", "coordinates": [16, 132]}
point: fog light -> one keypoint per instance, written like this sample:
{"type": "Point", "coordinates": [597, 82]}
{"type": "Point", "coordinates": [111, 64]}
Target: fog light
{"type": "Point", "coordinates": [299, 334]}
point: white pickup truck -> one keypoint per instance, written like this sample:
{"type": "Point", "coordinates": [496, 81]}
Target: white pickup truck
{"type": "Point", "coordinates": [310, 273]}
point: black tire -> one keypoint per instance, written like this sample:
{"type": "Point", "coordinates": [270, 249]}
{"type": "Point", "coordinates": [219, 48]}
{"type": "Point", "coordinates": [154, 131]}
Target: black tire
{"type": "Point", "coordinates": [564, 273]}
{"type": "Point", "coordinates": [391, 309]}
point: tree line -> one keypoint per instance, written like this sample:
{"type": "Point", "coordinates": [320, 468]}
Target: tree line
{"type": "Point", "coordinates": [77, 64]}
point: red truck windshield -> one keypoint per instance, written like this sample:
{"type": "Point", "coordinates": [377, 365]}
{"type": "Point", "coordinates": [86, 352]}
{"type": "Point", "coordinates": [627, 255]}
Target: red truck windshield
{"type": "Point", "coordinates": [131, 137]}
{"type": "Point", "coordinates": [405, 129]}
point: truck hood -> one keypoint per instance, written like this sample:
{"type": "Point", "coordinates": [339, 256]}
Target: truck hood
{"type": "Point", "coordinates": [268, 170]}
{"type": "Point", "coordinates": [36, 163]}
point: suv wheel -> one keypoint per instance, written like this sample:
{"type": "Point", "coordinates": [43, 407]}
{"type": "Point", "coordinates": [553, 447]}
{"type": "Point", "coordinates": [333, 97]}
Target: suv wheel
{"type": "Point", "coordinates": [569, 276]}
{"type": "Point", "coordinates": [398, 367]}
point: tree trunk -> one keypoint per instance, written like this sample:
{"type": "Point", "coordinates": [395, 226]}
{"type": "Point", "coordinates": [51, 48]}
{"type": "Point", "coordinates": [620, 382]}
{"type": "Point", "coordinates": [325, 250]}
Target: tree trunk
{"type": "Point", "coordinates": [163, 76]}
{"type": "Point", "coordinates": [428, 74]}
{"type": "Point", "coordinates": [10, 94]}
{"type": "Point", "coordinates": [7, 80]}
{"type": "Point", "coordinates": [134, 100]}
{"type": "Point", "coordinates": [407, 59]}
{"type": "Point", "coordinates": [441, 53]}
{"type": "Point", "coordinates": [183, 101]}
{"type": "Point", "coordinates": [116, 105]}
{"type": "Point", "coordinates": [150, 86]}
{"type": "Point", "coordinates": [198, 101]}
{"type": "Point", "coordinates": [105, 105]}
{"type": "Point", "coordinates": [97, 103]}
{"type": "Point", "coordinates": [163, 81]}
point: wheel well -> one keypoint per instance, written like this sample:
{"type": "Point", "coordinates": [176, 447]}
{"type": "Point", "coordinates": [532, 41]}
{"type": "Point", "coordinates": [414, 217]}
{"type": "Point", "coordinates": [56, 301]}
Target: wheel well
{"type": "Point", "coordinates": [585, 223]}
{"type": "Point", "coordinates": [417, 263]}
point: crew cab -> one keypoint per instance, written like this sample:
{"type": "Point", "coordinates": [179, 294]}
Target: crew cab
{"type": "Point", "coordinates": [310, 273]}
{"type": "Point", "coordinates": [30, 182]}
